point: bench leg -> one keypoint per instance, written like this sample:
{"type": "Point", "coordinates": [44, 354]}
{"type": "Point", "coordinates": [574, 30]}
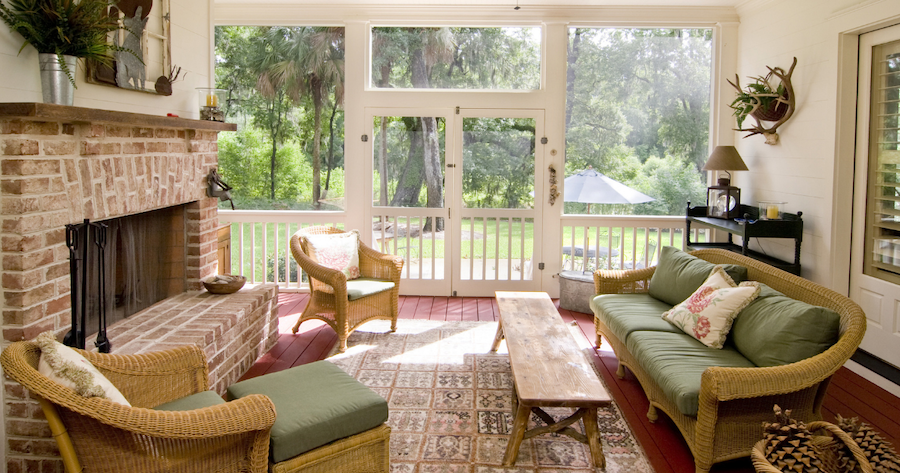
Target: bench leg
{"type": "Point", "coordinates": [523, 412]}
{"type": "Point", "coordinates": [593, 437]}
{"type": "Point", "coordinates": [498, 337]}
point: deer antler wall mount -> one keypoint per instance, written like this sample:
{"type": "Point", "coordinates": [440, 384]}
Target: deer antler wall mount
{"type": "Point", "coordinates": [765, 102]}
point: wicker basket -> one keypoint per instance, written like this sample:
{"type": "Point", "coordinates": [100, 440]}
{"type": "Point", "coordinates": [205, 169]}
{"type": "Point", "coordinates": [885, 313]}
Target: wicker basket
{"type": "Point", "coordinates": [827, 446]}
{"type": "Point", "coordinates": [224, 283]}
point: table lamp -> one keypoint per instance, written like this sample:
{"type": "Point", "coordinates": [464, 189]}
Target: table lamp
{"type": "Point", "coordinates": [724, 200]}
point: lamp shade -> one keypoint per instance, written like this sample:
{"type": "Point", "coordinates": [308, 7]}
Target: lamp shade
{"type": "Point", "coordinates": [725, 158]}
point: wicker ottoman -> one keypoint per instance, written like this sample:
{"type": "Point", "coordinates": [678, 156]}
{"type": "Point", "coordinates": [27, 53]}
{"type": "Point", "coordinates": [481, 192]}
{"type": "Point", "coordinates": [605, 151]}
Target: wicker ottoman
{"type": "Point", "coordinates": [326, 421]}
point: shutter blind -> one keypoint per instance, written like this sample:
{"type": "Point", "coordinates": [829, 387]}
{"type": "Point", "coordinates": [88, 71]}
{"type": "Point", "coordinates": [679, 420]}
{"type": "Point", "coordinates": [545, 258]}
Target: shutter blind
{"type": "Point", "coordinates": [883, 202]}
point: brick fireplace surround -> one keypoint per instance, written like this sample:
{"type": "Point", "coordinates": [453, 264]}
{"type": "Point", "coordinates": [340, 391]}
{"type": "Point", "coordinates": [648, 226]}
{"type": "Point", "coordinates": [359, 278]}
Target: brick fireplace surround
{"type": "Point", "coordinates": [60, 165]}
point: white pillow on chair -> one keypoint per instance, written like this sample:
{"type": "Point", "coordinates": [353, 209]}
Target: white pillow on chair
{"type": "Point", "coordinates": [68, 368]}
{"type": "Point", "coordinates": [338, 251]}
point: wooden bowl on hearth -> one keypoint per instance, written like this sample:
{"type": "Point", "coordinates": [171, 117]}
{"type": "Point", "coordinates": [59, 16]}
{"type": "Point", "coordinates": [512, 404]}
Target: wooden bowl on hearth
{"type": "Point", "coordinates": [224, 283]}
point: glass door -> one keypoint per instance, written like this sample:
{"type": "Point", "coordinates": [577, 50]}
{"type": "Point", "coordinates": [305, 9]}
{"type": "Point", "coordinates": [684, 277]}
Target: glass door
{"type": "Point", "coordinates": [409, 211]}
{"type": "Point", "coordinates": [875, 257]}
{"type": "Point", "coordinates": [497, 235]}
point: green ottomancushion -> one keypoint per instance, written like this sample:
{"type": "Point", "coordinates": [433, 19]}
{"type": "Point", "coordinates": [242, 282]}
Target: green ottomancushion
{"type": "Point", "coordinates": [363, 287]}
{"type": "Point", "coordinates": [776, 330]}
{"type": "Point", "coordinates": [194, 401]}
{"type": "Point", "coordinates": [679, 274]}
{"type": "Point", "coordinates": [315, 404]}
{"type": "Point", "coordinates": [626, 313]}
{"type": "Point", "coordinates": [676, 362]}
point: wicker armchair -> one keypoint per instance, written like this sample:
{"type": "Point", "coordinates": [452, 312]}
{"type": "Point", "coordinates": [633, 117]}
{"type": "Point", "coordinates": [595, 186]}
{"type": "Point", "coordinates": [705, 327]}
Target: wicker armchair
{"type": "Point", "coordinates": [734, 402]}
{"type": "Point", "coordinates": [328, 299]}
{"type": "Point", "coordinates": [95, 434]}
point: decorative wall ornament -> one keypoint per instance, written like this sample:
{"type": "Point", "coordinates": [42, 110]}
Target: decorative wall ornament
{"type": "Point", "coordinates": [765, 101]}
{"type": "Point", "coordinates": [146, 30]}
{"type": "Point", "coordinates": [130, 70]}
{"type": "Point", "coordinates": [554, 190]}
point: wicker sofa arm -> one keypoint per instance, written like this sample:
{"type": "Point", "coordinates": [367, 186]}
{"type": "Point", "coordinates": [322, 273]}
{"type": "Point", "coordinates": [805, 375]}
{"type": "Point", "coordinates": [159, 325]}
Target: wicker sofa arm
{"type": "Point", "coordinates": [374, 264]}
{"type": "Point", "coordinates": [627, 281]}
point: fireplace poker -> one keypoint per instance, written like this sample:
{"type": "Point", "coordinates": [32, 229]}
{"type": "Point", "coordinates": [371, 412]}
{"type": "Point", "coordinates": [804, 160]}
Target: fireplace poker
{"type": "Point", "coordinates": [102, 342]}
{"type": "Point", "coordinates": [72, 337]}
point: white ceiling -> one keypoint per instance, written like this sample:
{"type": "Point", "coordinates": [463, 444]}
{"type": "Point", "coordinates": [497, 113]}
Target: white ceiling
{"type": "Point", "coordinates": [522, 3]}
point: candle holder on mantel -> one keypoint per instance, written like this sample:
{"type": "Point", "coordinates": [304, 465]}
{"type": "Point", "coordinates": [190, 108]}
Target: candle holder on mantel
{"type": "Point", "coordinates": [211, 103]}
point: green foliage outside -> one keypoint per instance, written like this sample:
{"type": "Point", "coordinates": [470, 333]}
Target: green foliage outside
{"type": "Point", "coordinates": [637, 110]}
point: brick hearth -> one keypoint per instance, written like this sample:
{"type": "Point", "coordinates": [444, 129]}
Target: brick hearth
{"type": "Point", "coordinates": [61, 165]}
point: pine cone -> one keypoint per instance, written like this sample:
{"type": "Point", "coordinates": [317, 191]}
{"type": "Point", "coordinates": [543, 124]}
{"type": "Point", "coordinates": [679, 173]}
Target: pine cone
{"type": "Point", "coordinates": [878, 451]}
{"type": "Point", "coordinates": [789, 445]}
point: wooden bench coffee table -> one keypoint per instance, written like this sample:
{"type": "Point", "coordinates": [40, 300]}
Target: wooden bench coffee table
{"type": "Point", "coordinates": [548, 370]}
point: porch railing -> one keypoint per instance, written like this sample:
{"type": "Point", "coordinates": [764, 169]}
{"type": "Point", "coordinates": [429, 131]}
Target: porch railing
{"type": "Point", "coordinates": [260, 243]}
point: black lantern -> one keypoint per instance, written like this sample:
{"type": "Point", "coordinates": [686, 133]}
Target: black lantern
{"type": "Point", "coordinates": [723, 202]}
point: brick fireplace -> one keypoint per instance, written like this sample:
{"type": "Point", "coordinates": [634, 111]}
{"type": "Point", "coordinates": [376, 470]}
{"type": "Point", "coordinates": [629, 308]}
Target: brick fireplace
{"type": "Point", "coordinates": [61, 165]}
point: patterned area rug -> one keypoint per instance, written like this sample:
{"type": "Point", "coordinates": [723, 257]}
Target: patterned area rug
{"type": "Point", "coordinates": [450, 403]}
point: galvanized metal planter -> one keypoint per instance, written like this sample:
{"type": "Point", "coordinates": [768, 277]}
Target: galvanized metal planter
{"type": "Point", "coordinates": [55, 84]}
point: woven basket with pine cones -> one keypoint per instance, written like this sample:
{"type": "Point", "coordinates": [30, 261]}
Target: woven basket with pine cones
{"type": "Point", "coordinates": [878, 451]}
{"type": "Point", "coordinates": [788, 446]}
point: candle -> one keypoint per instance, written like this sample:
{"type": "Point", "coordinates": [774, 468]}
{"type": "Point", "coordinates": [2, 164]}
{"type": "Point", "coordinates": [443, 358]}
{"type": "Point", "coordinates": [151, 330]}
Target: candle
{"type": "Point", "coordinates": [772, 212]}
{"type": "Point", "coordinates": [212, 100]}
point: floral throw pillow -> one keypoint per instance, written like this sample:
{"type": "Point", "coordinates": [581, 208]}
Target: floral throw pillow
{"type": "Point", "coordinates": [338, 251]}
{"type": "Point", "coordinates": [67, 367]}
{"type": "Point", "coordinates": [708, 314]}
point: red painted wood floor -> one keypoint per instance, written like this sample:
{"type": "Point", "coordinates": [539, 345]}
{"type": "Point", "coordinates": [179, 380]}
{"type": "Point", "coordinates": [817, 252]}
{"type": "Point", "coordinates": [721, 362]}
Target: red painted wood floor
{"type": "Point", "coordinates": [848, 395]}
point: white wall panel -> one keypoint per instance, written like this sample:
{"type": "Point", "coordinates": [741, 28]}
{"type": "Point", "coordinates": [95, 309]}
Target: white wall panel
{"type": "Point", "coordinates": [801, 169]}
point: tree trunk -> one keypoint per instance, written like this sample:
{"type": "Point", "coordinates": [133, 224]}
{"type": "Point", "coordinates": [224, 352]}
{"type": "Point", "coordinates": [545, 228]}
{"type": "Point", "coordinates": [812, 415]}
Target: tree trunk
{"type": "Point", "coordinates": [434, 179]}
{"type": "Point", "coordinates": [574, 50]}
{"type": "Point", "coordinates": [317, 142]}
{"type": "Point", "coordinates": [409, 185]}
{"type": "Point", "coordinates": [329, 165]}
{"type": "Point", "coordinates": [382, 165]}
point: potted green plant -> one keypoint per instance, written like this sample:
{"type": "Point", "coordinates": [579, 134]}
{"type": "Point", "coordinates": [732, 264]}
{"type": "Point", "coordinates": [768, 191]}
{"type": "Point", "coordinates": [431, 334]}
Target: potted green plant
{"type": "Point", "coordinates": [62, 31]}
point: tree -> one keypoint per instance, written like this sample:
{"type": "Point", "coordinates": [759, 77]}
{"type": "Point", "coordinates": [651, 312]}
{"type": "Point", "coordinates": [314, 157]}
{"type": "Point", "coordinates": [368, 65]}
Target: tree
{"type": "Point", "coordinates": [314, 66]}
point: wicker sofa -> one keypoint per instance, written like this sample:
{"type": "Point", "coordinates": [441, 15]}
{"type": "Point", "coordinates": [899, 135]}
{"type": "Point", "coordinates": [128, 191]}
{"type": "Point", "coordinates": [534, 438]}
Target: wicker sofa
{"type": "Point", "coordinates": [734, 401]}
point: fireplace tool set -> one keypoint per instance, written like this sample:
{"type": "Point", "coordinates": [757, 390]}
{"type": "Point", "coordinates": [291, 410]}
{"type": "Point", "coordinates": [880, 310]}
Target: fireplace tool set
{"type": "Point", "coordinates": [80, 238]}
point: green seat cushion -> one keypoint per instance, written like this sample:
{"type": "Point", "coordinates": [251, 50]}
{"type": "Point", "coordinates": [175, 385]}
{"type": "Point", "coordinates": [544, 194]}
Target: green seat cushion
{"type": "Point", "coordinates": [362, 287]}
{"type": "Point", "coordinates": [194, 401]}
{"type": "Point", "coordinates": [679, 274]}
{"type": "Point", "coordinates": [626, 313]}
{"type": "Point", "coordinates": [315, 404]}
{"type": "Point", "coordinates": [777, 330]}
{"type": "Point", "coordinates": [676, 361]}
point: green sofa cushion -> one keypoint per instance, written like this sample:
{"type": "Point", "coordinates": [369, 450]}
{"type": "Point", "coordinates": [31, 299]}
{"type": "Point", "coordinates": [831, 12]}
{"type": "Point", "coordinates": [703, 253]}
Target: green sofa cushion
{"type": "Point", "coordinates": [194, 401]}
{"type": "Point", "coordinates": [315, 404]}
{"type": "Point", "coordinates": [676, 362]}
{"type": "Point", "coordinates": [626, 313]}
{"type": "Point", "coordinates": [362, 287]}
{"type": "Point", "coordinates": [679, 274]}
{"type": "Point", "coordinates": [776, 330]}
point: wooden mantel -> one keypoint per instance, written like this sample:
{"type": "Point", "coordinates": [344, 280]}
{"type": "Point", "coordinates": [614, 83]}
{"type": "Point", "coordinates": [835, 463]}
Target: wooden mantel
{"type": "Point", "coordinates": [47, 111]}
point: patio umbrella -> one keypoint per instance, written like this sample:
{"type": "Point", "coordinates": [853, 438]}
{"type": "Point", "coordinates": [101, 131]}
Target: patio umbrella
{"type": "Point", "coordinates": [591, 187]}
